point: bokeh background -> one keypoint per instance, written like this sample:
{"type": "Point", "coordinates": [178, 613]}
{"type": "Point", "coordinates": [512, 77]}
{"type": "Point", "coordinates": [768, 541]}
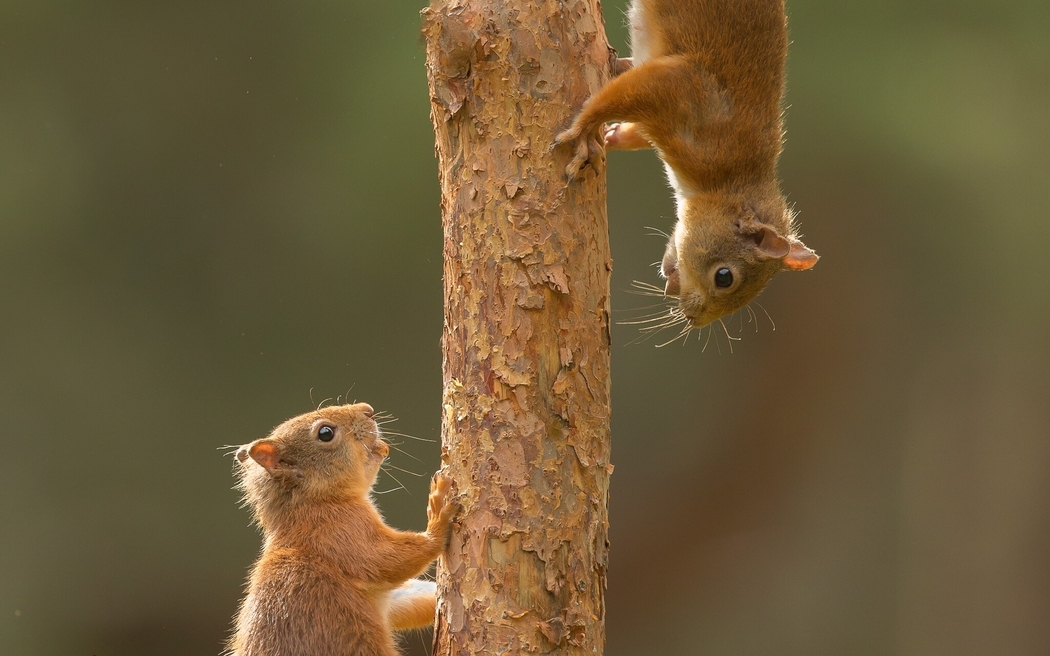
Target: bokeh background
{"type": "Point", "coordinates": [213, 215]}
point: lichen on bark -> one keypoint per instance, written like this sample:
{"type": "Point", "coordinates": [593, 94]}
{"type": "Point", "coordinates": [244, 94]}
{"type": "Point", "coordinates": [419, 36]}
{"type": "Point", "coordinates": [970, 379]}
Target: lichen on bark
{"type": "Point", "coordinates": [525, 428]}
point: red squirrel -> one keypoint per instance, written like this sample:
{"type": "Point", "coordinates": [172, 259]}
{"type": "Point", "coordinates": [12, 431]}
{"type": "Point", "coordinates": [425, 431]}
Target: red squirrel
{"type": "Point", "coordinates": [333, 578]}
{"type": "Point", "coordinates": [704, 88]}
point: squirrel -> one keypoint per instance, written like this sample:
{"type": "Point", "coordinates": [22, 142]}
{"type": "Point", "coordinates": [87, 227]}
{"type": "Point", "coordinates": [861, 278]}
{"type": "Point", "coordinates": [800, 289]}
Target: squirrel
{"type": "Point", "coordinates": [704, 88]}
{"type": "Point", "coordinates": [333, 578]}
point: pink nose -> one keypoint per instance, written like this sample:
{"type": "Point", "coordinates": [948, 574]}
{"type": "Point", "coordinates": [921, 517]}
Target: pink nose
{"type": "Point", "coordinates": [242, 454]}
{"type": "Point", "coordinates": [366, 409]}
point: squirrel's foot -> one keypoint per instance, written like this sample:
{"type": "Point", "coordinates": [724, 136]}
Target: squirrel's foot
{"type": "Point", "coordinates": [587, 149]}
{"type": "Point", "coordinates": [624, 136]}
{"type": "Point", "coordinates": [620, 65]}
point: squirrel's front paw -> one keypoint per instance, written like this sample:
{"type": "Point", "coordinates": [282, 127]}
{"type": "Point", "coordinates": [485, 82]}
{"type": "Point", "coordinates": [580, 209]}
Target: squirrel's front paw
{"type": "Point", "coordinates": [441, 507]}
{"type": "Point", "coordinates": [587, 149]}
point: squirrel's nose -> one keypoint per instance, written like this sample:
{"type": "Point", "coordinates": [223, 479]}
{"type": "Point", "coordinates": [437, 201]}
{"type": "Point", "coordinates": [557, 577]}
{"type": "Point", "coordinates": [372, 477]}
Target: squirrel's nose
{"type": "Point", "coordinates": [242, 454]}
{"type": "Point", "coordinates": [366, 409]}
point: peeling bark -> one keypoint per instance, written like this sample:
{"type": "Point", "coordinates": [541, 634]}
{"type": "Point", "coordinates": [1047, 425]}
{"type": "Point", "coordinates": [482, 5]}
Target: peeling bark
{"type": "Point", "coordinates": [525, 426]}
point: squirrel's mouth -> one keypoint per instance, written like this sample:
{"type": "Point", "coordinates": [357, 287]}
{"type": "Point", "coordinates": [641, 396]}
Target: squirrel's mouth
{"type": "Point", "coordinates": [673, 285]}
{"type": "Point", "coordinates": [669, 270]}
{"type": "Point", "coordinates": [380, 450]}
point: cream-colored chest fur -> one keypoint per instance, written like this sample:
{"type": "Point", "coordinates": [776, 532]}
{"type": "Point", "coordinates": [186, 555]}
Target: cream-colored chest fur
{"type": "Point", "coordinates": [641, 41]}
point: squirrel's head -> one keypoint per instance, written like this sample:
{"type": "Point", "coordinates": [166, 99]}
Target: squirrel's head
{"type": "Point", "coordinates": [330, 453]}
{"type": "Point", "coordinates": [725, 249]}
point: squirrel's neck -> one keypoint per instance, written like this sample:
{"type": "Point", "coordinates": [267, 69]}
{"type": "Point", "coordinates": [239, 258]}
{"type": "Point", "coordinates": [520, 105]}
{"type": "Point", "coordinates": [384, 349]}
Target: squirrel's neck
{"type": "Point", "coordinates": [729, 202]}
{"type": "Point", "coordinates": [314, 523]}
{"type": "Point", "coordinates": [723, 159]}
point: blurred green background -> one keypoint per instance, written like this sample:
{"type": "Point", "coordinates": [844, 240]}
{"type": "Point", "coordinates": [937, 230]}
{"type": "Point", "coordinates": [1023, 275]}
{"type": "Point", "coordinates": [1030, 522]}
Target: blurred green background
{"type": "Point", "coordinates": [209, 209]}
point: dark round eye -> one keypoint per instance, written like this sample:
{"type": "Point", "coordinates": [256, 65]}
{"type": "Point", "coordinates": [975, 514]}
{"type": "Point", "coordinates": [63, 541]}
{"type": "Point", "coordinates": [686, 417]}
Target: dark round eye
{"type": "Point", "coordinates": [723, 278]}
{"type": "Point", "coordinates": [326, 433]}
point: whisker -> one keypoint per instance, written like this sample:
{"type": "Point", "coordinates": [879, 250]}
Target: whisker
{"type": "Point", "coordinates": [664, 309]}
{"type": "Point", "coordinates": [646, 292]}
{"type": "Point", "coordinates": [671, 319]}
{"type": "Point", "coordinates": [638, 284]}
{"type": "Point", "coordinates": [684, 333]}
{"type": "Point", "coordinates": [640, 321]}
{"type": "Point", "coordinates": [752, 317]}
{"type": "Point", "coordinates": [658, 232]}
{"type": "Point", "coordinates": [395, 480]}
{"type": "Point", "coordinates": [640, 337]}
{"type": "Point", "coordinates": [407, 471]}
{"type": "Point", "coordinates": [767, 315]}
{"type": "Point", "coordinates": [666, 324]}
{"type": "Point", "coordinates": [664, 305]}
{"type": "Point", "coordinates": [728, 336]}
{"type": "Point", "coordinates": [655, 330]}
{"type": "Point", "coordinates": [673, 313]}
{"type": "Point", "coordinates": [411, 437]}
{"type": "Point", "coordinates": [649, 331]}
{"type": "Point", "coordinates": [394, 447]}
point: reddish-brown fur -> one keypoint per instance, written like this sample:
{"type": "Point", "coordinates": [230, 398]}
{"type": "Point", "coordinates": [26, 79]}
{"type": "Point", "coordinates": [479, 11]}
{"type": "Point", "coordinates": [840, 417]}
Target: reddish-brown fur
{"type": "Point", "coordinates": [333, 578]}
{"type": "Point", "coordinates": [705, 90]}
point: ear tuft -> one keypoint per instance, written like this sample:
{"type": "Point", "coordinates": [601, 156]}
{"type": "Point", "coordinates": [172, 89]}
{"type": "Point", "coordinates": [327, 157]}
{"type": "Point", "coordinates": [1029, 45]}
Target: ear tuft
{"type": "Point", "coordinates": [799, 257]}
{"type": "Point", "coordinates": [264, 453]}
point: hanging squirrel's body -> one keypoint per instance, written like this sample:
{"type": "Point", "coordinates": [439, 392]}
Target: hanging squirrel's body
{"type": "Point", "coordinates": [704, 87]}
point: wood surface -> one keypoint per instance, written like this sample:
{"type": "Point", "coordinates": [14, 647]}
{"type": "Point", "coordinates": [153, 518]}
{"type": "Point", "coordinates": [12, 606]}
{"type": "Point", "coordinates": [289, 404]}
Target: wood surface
{"type": "Point", "coordinates": [525, 429]}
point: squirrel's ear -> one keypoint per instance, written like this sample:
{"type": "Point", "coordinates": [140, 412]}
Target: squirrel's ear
{"type": "Point", "coordinates": [264, 453]}
{"type": "Point", "coordinates": [768, 243]}
{"type": "Point", "coordinates": [799, 257]}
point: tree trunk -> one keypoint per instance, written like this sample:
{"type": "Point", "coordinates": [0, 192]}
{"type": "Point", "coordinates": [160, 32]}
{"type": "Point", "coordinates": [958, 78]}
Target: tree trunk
{"type": "Point", "coordinates": [525, 427]}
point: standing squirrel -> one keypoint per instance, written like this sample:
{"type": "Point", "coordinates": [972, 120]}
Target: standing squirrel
{"type": "Point", "coordinates": [704, 88]}
{"type": "Point", "coordinates": [333, 578]}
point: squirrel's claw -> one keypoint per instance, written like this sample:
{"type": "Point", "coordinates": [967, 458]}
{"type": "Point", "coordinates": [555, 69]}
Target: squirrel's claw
{"type": "Point", "coordinates": [586, 151]}
{"type": "Point", "coordinates": [441, 507]}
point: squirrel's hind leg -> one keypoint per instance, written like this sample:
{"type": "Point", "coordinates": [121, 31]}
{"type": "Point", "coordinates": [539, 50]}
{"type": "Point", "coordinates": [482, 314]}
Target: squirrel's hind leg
{"type": "Point", "coordinates": [649, 94]}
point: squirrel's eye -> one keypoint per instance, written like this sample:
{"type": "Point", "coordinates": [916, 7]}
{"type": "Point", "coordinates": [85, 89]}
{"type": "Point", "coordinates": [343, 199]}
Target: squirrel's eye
{"type": "Point", "coordinates": [723, 278]}
{"type": "Point", "coordinates": [326, 433]}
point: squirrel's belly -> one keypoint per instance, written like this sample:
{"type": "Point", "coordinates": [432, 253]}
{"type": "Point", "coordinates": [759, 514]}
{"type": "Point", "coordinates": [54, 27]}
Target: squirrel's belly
{"type": "Point", "coordinates": [640, 40]}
